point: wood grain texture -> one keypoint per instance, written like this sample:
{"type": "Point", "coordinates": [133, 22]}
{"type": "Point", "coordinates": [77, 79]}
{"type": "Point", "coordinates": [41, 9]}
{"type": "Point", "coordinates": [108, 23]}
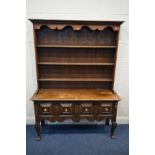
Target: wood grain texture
{"type": "Point", "coordinates": [68, 37]}
{"type": "Point", "coordinates": [75, 94]}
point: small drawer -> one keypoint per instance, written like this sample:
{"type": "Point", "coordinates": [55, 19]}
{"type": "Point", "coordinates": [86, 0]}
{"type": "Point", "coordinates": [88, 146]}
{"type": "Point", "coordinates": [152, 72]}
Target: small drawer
{"type": "Point", "coordinates": [65, 109]}
{"type": "Point", "coordinates": [85, 108]}
{"type": "Point", "coordinates": [105, 108]}
{"type": "Point", "coordinates": [45, 109]}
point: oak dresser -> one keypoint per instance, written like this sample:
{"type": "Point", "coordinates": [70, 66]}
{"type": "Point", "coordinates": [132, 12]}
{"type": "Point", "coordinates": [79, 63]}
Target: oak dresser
{"type": "Point", "coordinates": [75, 68]}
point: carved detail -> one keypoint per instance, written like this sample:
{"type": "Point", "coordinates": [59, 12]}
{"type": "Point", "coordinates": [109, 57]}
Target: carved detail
{"type": "Point", "coordinates": [76, 119]}
{"type": "Point", "coordinates": [115, 28]}
{"type": "Point", "coordinates": [76, 27]}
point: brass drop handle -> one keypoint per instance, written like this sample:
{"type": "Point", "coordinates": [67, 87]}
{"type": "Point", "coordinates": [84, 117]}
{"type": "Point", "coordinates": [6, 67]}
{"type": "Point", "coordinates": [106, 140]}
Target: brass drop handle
{"type": "Point", "coordinates": [106, 109]}
{"type": "Point", "coordinates": [45, 109]}
{"type": "Point", "coordinates": [66, 110]}
{"type": "Point", "coordinates": [86, 109]}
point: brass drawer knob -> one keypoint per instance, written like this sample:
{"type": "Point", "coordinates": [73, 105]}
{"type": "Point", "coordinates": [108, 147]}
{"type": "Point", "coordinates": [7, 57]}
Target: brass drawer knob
{"type": "Point", "coordinates": [66, 110]}
{"type": "Point", "coordinates": [45, 109]}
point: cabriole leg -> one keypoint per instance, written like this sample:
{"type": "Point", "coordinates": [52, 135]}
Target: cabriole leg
{"type": "Point", "coordinates": [113, 120]}
{"type": "Point", "coordinates": [37, 120]}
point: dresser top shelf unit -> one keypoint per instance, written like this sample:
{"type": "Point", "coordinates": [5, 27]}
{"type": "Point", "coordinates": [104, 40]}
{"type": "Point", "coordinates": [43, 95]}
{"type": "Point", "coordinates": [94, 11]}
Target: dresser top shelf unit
{"type": "Point", "coordinates": [75, 60]}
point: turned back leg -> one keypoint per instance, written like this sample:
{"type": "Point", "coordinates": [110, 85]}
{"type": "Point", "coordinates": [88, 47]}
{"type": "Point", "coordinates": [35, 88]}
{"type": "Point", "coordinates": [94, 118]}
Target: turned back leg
{"type": "Point", "coordinates": [42, 122]}
{"type": "Point", "coordinates": [107, 121]}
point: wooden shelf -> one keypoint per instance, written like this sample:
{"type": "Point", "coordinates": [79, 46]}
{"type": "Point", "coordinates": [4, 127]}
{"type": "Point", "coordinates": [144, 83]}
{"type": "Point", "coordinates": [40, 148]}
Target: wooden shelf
{"type": "Point", "coordinates": [77, 63]}
{"type": "Point", "coordinates": [75, 79]}
{"type": "Point", "coordinates": [75, 95]}
{"type": "Point", "coordinates": [74, 46]}
{"type": "Point", "coordinates": [81, 59]}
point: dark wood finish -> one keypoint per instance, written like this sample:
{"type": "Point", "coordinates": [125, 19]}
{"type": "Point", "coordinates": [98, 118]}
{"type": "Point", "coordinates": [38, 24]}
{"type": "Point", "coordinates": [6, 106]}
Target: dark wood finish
{"type": "Point", "coordinates": [107, 121]}
{"type": "Point", "coordinates": [75, 65]}
{"type": "Point", "coordinates": [37, 120]}
{"type": "Point", "coordinates": [43, 122]}
{"type": "Point", "coordinates": [76, 46]}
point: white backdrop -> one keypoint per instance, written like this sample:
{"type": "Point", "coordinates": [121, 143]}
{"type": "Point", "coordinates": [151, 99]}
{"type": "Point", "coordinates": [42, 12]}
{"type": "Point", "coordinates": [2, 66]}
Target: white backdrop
{"type": "Point", "coordinates": [80, 10]}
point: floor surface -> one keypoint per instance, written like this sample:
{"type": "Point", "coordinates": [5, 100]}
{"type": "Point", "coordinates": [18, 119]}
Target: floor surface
{"type": "Point", "coordinates": [78, 140]}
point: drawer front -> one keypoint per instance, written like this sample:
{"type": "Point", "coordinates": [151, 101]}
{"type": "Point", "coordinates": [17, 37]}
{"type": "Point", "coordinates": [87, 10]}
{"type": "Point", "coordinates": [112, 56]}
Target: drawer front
{"type": "Point", "coordinates": [46, 109]}
{"type": "Point", "coordinates": [105, 108]}
{"type": "Point", "coordinates": [85, 108]}
{"type": "Point", "coordinates": [65, 109]}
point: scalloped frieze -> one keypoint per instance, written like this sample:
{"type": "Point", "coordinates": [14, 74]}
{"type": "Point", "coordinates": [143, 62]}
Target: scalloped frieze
{"type": "Point", "coordinates": [75, 119]}
{"type": "Point", "coordinates": [76, 27]}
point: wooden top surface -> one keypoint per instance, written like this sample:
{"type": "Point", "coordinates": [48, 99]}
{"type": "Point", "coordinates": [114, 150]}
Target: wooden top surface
{"type": "Point", "coordinates": [75, 95]}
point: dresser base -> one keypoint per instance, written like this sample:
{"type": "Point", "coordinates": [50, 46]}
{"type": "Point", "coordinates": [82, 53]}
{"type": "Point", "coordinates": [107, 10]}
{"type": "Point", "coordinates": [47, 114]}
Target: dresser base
{"type": "Point", "coordinates": [59, 111]}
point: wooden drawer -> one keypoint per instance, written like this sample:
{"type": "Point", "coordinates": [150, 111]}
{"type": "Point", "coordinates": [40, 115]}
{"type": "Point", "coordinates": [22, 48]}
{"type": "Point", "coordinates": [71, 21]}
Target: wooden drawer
{"type": "Point", "coordinates": [65, 109]}
{"type": "Point", "coordinates": [85, 108]}
{"type": "Point", "coordinates": [105, 108]}
{"type": "Point", "coordinates": [45, 109]}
